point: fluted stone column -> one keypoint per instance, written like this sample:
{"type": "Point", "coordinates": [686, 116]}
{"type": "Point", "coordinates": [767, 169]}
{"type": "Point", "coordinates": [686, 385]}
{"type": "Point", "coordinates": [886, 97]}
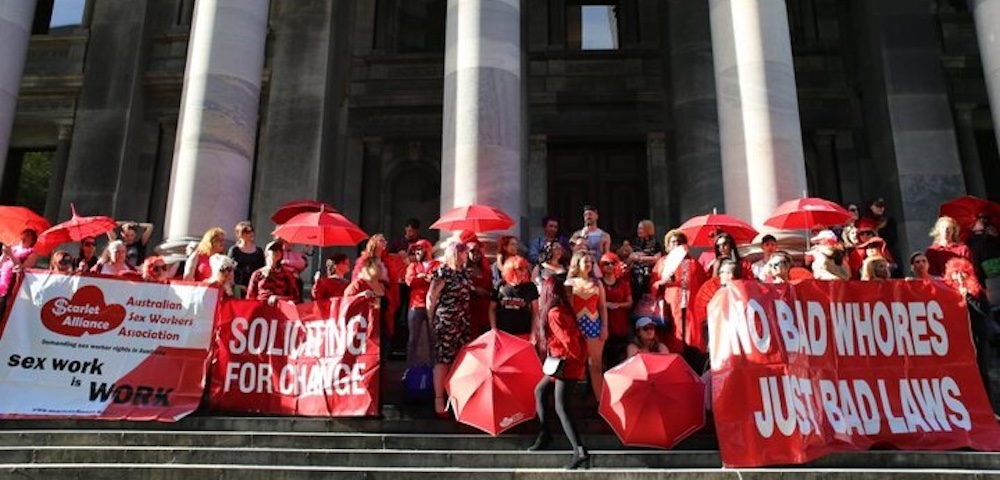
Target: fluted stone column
{"type": "Point", "coordinates": [987, 14]}
{"type": "Point", "coordinates": [57, 180]}
{"type": "Point", "coordinates": [759, 130]}
{"type": "Point", "coordinates": [217, 129]}
{"type": "Point", "coordinates": [483, 138]}
{"type": "Point", "coordinates": [16, 17]}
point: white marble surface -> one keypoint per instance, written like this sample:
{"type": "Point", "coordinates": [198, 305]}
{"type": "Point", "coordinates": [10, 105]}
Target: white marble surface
{"type": "Point", "coordinates": [987, 14]}
{"type": "Point", "coordinates": [217, 129]}
{"type": "Point", "coordinates": [15, 32]}
{"type": "Point", "coordinates": [482, 139]}
{"type": "Point", "coordinates": [759, 128]}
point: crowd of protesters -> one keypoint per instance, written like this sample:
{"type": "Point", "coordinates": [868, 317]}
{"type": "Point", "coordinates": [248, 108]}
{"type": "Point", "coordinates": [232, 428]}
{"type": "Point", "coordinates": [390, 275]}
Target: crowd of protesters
{"type": "Point", "coordinates": [585, 298]}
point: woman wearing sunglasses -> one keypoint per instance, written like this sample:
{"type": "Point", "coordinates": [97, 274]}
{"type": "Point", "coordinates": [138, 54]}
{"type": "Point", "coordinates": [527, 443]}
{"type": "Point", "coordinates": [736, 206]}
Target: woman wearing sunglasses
{"type": "Point", "coordinates": [154, 269]}
{"type": "Point", "coordinates": [87, 255]}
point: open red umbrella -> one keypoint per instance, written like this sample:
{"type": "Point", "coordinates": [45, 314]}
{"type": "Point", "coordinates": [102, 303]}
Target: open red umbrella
{"type": "Point", "coordinates": [474, 218]}
{"type": "Point", "coordinates": [966, 209]}
{"type": "Point", "coordinates": [492, 382]}
{"type": "Point", "coordinates": [653, 400]}
{"type": "Point", "coordinates": [14, 220]}
{"type": "Point", "coordinates": [701, 230]}
{"type": "Point", "coordinates": [322, 229]}
{"type": "Point", "coordinates": [73, 230]}
{"type": "Point", "coordinates": [806, 213]}
{"type": "Point", "coordinates": [291, 209]}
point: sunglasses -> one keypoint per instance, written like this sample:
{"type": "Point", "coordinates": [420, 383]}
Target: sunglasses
{"type": "Point", "coordinates": [247, 230]}
{"type": "Point", "coordinates": [607, 264]}
{"type": "Point", "coordinates": [66, 262]}
{"type": "Point", "coordinates": [866, 232]}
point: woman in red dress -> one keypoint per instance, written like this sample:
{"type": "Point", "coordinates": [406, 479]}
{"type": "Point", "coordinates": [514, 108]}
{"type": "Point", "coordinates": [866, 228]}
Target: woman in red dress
{"type": "Point", "coordinates": [566, 342]}
{"type": "Point", "coordinates": [945, 246]}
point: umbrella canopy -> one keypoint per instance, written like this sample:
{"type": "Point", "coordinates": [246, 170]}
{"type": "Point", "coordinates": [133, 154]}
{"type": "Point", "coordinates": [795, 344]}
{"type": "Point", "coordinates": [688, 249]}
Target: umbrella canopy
{"type": "Point", "coordinates": [474, 218]}
{"type": "Point", "coordinates": [14, 220]}
{"type": "Point", "coordinates": [291, 209]}
{"type": "Point", "coordinates": [701, 230]}
{"type": "Point", "coordinates": [806, 213]}
{"type": "Point", "coordinates": [492, 383]}
{"type": "Point", "coordinates": [653, 400]}
{"type": "Point", "coordinates": [321, 229]}
{"type": "Point", "coordinates": [965, 210]}
{"type": "Point", "coordinates": [73, 230]}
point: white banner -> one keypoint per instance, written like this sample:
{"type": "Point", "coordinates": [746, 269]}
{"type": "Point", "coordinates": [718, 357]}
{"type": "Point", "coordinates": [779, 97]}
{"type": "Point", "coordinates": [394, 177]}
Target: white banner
{"type": "Point", "coordinates": [101, 347]}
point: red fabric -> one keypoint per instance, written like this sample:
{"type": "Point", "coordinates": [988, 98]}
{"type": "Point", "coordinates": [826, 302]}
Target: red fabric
{"type": "Point", "coordinates": [14, 220]}
{"type": "Point", "coordinates": [620, 292]}
{"type": "Point", "coordinates": [419, 286]}
{"type": "Point", "coordinates": [938, 256]}
{"type": "Point", "coordinates": [803, 370]}
{"type": "Point", "coordinates": [291, 209]}
{"type": "Point", "coordinates": [806, 213]}
{"type": "Point", "coordinates": [321, 229]}
{"type": "Point", "coordinates": [566, 341]}
{"type": "Point", "coordinates": [474, 218]}
{"type": "Point", "coordinates": [856, 257]}
{"type": "Point", "coordinates": [479, 305]}
{"type": "Point", "coordinates": [965, 210]}
{"type": "Point", "coordinates": [679, 334]}
{"type": "Point", "coordinates": [203, 270]}
{"type": "Point", "coordinates": [326, 288]}
{"type": "Point", "coordinates": [276, 281]}
{"type": "Point", "coordinates": [73, 230]}
{"type": "Point", "coordinates": [701, 230]}
{"type": "Point", "coordinates": [699, 314]}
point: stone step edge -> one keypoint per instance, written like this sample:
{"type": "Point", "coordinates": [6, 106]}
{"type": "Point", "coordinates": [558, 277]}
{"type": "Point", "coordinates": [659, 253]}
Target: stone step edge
{"type": "Point", "coordinates": [154, 448]}
{"type": "Point", "coordinates": [191, 466]}
{"type": "Point", "coordinates": [270, 433]}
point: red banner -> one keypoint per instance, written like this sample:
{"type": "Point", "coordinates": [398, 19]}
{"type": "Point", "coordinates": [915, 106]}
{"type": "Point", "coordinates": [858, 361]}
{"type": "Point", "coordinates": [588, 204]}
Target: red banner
{"type": "Point", "coordinates": [799, 371]}
{"type": "Point", "coordinates": [294, 360]}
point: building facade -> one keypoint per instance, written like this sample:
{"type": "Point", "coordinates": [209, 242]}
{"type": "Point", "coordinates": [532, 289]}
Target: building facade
{"type": "Point", "coordinates": [191, 114]}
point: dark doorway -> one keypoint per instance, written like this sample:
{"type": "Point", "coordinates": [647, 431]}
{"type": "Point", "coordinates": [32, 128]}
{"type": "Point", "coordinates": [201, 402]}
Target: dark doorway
{"type": "Point", "coordinates": [611, 176]}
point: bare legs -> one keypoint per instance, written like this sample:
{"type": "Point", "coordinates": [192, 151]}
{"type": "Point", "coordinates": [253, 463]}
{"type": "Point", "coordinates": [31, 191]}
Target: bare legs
{"type": "Point", "coordinates": [595, 351]}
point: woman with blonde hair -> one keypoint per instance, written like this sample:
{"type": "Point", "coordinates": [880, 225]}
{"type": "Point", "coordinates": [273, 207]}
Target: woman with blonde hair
{"type": "Point", "coordinates": [589, 305]}
{"type": "Point", "coordinates": [945, 245]}
{"type": "Point", "coordinates": [112, 261]}
{"type": "Point", "coordinates": [198, 267]}
{"type": "Point", "coordinates": [448, 312]}
{"type": "Point", "coordinates": [875, 269]}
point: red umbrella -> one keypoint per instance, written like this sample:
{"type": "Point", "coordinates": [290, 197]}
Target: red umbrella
{"type": "Point", "coordinates": [701, 230]}
{"type": "Point", "coordinates": [965, 210]}
{"type": "Point", "coordinates": [73, 230]}
{"type": "Point", "coordinates": [322, 229]}
{"type": "Point", "coordinates": [806, 213]}
{"type": "Point", "coordinates": [291, 209]}
{"type": "Point", "coordinates": [492, 382]}
{"type": "Point", "coordinates": [14, 220]}
{"type": "Point", "coordinates": [474, 218]}
{"type": "Point", "coordinates": [653, 400]}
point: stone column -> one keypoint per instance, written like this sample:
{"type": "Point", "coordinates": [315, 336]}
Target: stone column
{"type": "Point", "coordinates": [987, 14]}
{"type": "Point", "coordinates": [53, 201]}
{"type": "Point", "coordinates": [759, 130]}
{"type": "Point", "coordinates": [217, 128]}
{"type": "Point", "coordinates": [538, 184]}
{"type": "Point", "coordinates": [972, 166]}
{"type": "Point", "coordinates": [16, 17]}
{"type": "Point", "coordinates": [482, 139]}
{"type": "Point", "coordinates": [698, 170]}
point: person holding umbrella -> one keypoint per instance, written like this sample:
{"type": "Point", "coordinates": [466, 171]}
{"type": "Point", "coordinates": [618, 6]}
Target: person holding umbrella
{"type": "Point", "coordinates": [676, 279]}
{"type": "Point", "coordinates": [566, 346]}
{"type": "Point", "coordinates": [482, 284]}
{"type": "Point", "coordinates": [448, 313]}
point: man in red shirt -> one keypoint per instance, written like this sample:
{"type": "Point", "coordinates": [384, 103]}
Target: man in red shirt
{"type": "Point", "coordinates": [272, 283]}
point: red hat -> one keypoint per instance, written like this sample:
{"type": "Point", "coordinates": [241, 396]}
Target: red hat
{"type": "Point", "coordinates": [865, 224]}
{"type": "Point", "coordinates": [468, 236]}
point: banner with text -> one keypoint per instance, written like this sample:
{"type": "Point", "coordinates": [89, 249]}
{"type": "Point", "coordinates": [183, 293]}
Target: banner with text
{"type": "Point", "coordinates": [296, 360]}
{"type": "Point", "coordinates": [799, 371]}
{"type": "Point", "coordinates": [106, 348]}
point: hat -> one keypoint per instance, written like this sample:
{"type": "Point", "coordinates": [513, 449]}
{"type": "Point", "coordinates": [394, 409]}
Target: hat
{"type": "Point", "coordinates": [825, 237]}
{"type": "Point", "coordinates": [865, 224]}
{"type": "Point", "coordinates": [276, 245]}
{"type": "Point", "coordinates": [643, 321]}
{"type": "Point", "coordinates": [468, 236]}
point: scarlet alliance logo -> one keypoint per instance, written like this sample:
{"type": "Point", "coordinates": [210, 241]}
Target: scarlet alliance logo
{"type": "Point", "coordinates": [84, 314]}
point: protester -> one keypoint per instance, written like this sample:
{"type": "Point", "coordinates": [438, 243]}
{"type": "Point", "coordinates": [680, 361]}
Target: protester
{"type": "Point", "coordinates": [597, 241]}
{"type": "Point", "coordinates": [222, 275]}
{"type": "Point", "coordinates": [271, 283]}
{"type": "Point", "coordinates": [645, 339]}
{"type": "Point", "coordinates": [550, 262]}
{"type": "Point", "coordinates": [514, 304]}
{"type": "Point", "coordinates": [411, 235]}
{"type": "Point", "coordinates": [961, 276]}
{"type": "Point", "coordinates": [371, 281]}
{"type": "Point", "coordinates": [248, 256]}
{"type": "Point", "coordinates": [884, 226]}
{"type": "Point", "coordinates": [506, 248]}
{"type": "Point", "coordinates": [587, 298]}
{"type": "Point", "coordinates": [295, 262]}
{"type": "Point", "coordinates": [725, 249]}
{"type": "Point", "coordinates": [646, 251]}
{"type": "Point", "coordinates": [920, 267]}
{"type": "Point", "coordinates": [87, 255]}
{"type": "Point", "coordinates": [154, 269]}
{"type": "Point", "coordinates": [565, 342]}
{"type": "Point", "coordinates": [135, 243]}
{"type": "Point", "coordinates": [945, 245]}
{"type": "Point", "coordinates": [875, 268]}
{"type": "Point", "coordinates": [677, 282]}
{"type": "Point", "coordinates": [448, 311]}
{"type": "Point", "coordinates": [983, 245]}
{"type": "Point", "coordinates": [869, 245]}
{"type": "Point", "coordinates": [112, 261]}
{"type": "Point", "coordinates": [197, 267]}
{"type": "Point", "coordinates": [14, 260]}
{"type": "Point", "coordinates": [618, 296]}
{"type": "Point", "coordinates": [482, 285]}
{"type": "Point", "coordinates": [61, 262]}
{"type": "Point", "coordinates": [848, 234]}
{"type": "Point", "coordinates": [550, 234]}
{"type": "Point", "coordinates": [334, 282]}
{"type": "Point", "coordinates": [769, 245]}
{"type": "Point", "coordinates": [418, 278]}
{"type": "Point", "coordinates": [780, 267]}
{"type": "Point", "coordinates": [829, 257]}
